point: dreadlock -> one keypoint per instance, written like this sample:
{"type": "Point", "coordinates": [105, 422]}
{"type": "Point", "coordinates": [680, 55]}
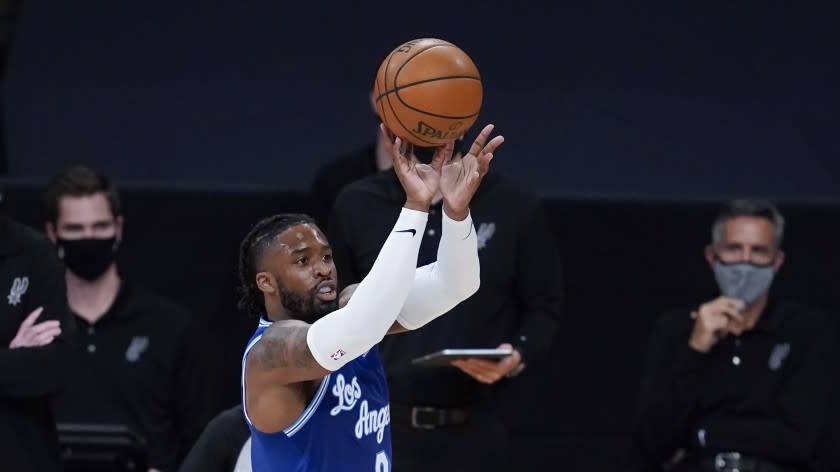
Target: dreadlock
{"type": "Point", "coordinates": [256, 241]}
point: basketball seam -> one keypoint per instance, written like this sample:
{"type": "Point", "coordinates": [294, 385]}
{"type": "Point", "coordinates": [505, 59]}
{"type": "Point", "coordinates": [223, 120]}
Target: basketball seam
{"type": "Point", "coordinates": [451, 117]}
{"type": "Point", "coordinates": [426, 81]}
{"type": "Point", "coordinates": [397, 94]}
{"type": "Point", "coordinates": [391, 105]}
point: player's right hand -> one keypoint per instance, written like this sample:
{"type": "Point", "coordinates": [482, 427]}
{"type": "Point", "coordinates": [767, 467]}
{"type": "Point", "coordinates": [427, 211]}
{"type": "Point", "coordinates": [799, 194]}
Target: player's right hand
{"type": "Point", "coordinates": [421, 182]}
{"type": "Point", "coordinates": [714, 320]}
{"type": "Point", "coordinates": [461, 177]}
{"type": "Point", "coordinates": [33, 335]}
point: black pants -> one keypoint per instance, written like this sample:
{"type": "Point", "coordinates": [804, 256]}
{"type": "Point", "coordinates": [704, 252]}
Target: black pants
{"type": "Point", "coordinates": [480, 444]}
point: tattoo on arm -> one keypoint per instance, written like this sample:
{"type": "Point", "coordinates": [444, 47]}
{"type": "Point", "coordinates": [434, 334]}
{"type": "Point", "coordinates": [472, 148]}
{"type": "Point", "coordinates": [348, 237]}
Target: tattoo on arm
{"type": "Point", "coordinates": [283, 346]}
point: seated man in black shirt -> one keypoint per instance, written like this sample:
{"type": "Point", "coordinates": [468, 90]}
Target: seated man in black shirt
{"type": "Point", "coordinates": [741, 382]}
{"type": "Point", "coordinates": [445, 418]}
{"type": "Point", "coordinates": [134, 366]}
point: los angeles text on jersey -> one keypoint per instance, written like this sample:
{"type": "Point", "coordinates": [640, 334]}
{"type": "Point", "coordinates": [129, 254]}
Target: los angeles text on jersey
{"type": "Point", "coordinates": [370, 421]}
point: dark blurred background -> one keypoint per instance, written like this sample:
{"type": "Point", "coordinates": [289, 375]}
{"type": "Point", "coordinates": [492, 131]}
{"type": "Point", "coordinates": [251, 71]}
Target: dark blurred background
{"type": "Point", "coordinates": [632, 121]}
{"type": "Point", "coordinates": [599, 99]}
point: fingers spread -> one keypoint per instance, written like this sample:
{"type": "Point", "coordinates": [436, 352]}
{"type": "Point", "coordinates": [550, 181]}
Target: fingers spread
{"type": "Point", "coordinates": [494, 144]}
{"type": "Point", "coordinates": [478, 144]}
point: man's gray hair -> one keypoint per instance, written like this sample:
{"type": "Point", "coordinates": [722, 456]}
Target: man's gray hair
{"type": "Point", "coordinates": [748, 207]}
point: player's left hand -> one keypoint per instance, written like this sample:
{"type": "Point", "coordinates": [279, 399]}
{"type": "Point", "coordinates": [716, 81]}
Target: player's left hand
{"type": "Point", "coordinates": [490, 372]}
{"type": "Point", "coordinates": [460, 177]}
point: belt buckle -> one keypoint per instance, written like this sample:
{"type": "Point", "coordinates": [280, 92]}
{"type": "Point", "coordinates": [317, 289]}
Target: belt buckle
{"type": "Point", "coordinates": [730, 462]}
{"type": "Point", "coordinates": [415, 423]}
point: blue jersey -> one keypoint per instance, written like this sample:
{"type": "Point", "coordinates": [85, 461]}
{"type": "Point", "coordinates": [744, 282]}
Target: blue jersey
{"type": "Point", "coordinates": [345, 426]}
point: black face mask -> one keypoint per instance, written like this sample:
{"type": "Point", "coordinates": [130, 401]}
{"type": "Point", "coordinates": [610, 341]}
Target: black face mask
{"type": "Point", "coordinates": [88, 258]}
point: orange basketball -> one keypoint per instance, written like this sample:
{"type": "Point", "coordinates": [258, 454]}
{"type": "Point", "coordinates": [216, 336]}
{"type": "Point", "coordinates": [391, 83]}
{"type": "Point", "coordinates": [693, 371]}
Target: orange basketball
{"type": "Point", "coordinates": [428, 92]}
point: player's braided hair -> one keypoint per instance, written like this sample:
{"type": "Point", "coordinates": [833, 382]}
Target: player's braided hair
{"type": "Point", "coordinates": [251, 249]}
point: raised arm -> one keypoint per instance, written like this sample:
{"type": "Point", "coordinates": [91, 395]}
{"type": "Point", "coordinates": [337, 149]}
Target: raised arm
{"type": "Point", "coordinates": [291, 351]}
{"type": "Point", "coordinates": [455, 276]}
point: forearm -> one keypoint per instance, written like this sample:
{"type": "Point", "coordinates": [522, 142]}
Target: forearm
{"type": "Point", "coordinates": [348, 332]}
{"type": "Point", "coordinates": [454, 277]}
{"type": "Point", "coordinates": [32, 371]}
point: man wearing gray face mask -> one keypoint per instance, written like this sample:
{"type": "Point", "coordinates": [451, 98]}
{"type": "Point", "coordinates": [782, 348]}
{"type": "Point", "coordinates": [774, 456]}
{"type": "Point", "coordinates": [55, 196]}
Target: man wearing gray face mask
{"type": "Point", "coordinates": [743, 381]}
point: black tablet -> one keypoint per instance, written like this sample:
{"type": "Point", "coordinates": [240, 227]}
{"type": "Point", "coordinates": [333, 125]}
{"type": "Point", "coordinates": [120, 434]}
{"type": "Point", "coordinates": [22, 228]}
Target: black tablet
{"type": "Point", "coordinates": [445, 356]}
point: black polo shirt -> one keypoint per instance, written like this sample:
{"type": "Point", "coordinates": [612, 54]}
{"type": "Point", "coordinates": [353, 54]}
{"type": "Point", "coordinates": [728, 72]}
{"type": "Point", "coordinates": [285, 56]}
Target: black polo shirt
{"type": "Point", "coordinates": [519, 297]}
{"type": "Point", "coordinates": [30, 276]}
{"type": "Point", "coordinates": [764, 393]}
{"type": "Point", "coordinates": [136, 367]}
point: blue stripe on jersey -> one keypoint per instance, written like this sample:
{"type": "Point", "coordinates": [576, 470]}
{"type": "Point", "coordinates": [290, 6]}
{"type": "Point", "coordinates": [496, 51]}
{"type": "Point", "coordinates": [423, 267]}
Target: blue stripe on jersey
{"type": "Point", "coordinates": [344, 427]}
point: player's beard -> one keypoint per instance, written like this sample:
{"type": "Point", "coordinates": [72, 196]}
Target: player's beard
{"type": "Point", "coordinates": [305, 306]}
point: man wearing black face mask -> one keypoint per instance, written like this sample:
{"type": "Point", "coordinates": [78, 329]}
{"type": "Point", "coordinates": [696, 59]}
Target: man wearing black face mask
{"type": "Point", "coordinates": [741, 382]}
{"type": "Point", "coordinates": [135, 368]}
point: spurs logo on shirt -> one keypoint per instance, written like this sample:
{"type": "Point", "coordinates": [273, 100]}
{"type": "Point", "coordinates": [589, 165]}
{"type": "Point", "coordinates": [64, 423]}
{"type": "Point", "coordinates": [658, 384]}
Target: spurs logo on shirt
{"type": "Point", "coordinates": [370, 421]}
{"type": "Point", "coordinates": [484, 233]}
{"type": "Point", "coordinates": [780, 352]}
{"type": "Point", "coordinates": [19, 287]}
{"type": "Point", "coordinates": [136, 348]}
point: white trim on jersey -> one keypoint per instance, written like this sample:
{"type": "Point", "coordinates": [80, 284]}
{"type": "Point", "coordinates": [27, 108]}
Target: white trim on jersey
{"type": "Point", "coordinates": [244, 358]}
{"type": "Point", "coordinates": [307, 413]}
{"type": "Point", "coordinates": [310, 410]}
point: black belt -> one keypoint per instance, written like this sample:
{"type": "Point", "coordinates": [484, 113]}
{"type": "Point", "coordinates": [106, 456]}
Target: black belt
{"type": "Point", "coordinates": [428, 417]}
{"type": "Point", "coordinates": [737, 462]}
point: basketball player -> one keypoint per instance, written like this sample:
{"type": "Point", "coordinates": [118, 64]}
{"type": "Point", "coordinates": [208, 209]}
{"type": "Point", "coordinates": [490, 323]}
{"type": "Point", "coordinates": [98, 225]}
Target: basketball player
{"type": "Point", "coordinates": [314, 390]}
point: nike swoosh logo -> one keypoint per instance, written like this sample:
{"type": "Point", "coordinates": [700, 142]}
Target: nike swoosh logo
{"type": "Point", "coordinates": [412, 231]}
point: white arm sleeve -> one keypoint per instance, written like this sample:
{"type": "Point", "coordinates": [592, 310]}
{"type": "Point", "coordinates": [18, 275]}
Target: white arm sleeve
{"type": "Point", "coordinates": [440, 286]}
{"type": "Point", "coordinates": [349, 332]}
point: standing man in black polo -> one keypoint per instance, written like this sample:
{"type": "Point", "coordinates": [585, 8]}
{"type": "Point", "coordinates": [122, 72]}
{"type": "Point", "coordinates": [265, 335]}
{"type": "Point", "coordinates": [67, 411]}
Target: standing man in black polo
{"type": "Point", "coordinates": [34, 327]}
{"type": "Point", "coordinates": [741, 382]}
{"type": "Point", "coordinates": [446, 418]}
{"type": "Point", "coordinates": [135, 364]}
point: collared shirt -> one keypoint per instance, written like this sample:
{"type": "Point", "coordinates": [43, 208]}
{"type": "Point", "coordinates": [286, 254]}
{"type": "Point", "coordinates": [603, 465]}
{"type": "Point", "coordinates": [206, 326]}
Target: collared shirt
{"type": "Point", "coordinates": [31, 276]}
{"type": "Point", "coordinates": [764, 393]}
{"type": "Point", "coordinates": [135, 367]}
{"type": "Point", "coordinates": [518, 301]}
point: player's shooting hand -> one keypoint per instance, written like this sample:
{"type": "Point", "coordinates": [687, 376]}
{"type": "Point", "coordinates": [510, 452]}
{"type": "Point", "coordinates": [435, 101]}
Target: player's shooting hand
{"type": "Point", "coordinates": [490, 372]}
{"type": "Point", "coordinates": [33, 335]}
{"type": "Point", "coordinates": [461, 177]}
{"type": "Point", "coordinates": [420, 181]}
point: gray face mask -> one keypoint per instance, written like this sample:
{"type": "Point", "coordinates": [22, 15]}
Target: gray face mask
{"type": "Point", "coordinates": [743, 281]}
